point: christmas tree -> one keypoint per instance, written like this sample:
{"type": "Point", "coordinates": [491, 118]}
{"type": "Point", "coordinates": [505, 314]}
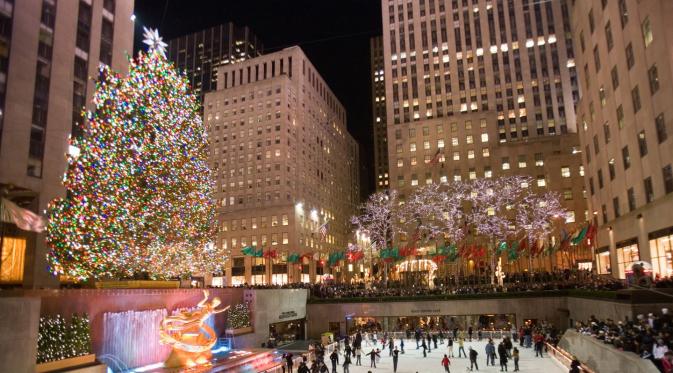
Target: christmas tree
{"type": "Point", "coordinates": [139, 193]}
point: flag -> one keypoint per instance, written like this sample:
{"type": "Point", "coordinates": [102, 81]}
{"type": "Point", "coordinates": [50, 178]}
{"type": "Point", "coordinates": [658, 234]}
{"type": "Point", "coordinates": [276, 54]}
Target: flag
{"type": "Point", "coordinates": [24, 219]}
{"type": "Point", "coordinates": [435, 158]}
{"type": "Point", "coordinates": [323, 230]}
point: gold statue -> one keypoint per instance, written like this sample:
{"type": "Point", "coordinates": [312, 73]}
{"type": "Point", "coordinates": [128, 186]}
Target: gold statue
{"type": "Point", "coordinates": [188, 334]}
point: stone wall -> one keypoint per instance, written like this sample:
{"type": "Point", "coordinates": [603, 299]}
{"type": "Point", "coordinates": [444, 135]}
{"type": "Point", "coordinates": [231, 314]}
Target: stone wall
{"type": "Point", "coordinates": [601, 357]}
{"type": "Point", "coordinates": [19, 321]}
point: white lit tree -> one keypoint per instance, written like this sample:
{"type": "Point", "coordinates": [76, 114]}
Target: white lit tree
{"type": "Point", "coordinates": [435, 211]}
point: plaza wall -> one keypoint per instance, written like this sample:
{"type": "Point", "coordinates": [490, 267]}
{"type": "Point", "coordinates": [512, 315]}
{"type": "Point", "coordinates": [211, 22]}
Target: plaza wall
{"type": "Point", "coordinates": [19, 321]}
{"type": "Point", "coordinates": [552, 309]}
{"type": "Point", "coordinates": [601, 357]}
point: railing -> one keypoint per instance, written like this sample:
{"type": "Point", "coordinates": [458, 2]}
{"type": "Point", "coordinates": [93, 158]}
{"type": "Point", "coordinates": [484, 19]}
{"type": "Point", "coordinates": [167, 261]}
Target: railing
{"type": "Point", "coordinates": [580, 293]}
{"type": "Point", "coordinates": [564, 358]}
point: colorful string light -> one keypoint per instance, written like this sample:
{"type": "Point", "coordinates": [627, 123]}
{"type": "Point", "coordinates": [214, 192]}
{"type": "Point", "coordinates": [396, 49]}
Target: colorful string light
{"type": "Point", "coordinates": [139, 193]}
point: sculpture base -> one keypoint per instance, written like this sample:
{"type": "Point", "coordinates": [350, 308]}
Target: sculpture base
{"type": "Point", "coordinates": [179, 358]}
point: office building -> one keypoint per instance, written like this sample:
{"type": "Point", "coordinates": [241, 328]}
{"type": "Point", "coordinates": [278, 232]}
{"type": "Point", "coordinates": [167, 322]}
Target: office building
{"type": "Point", "coordinates": [199, 54]}
{"type": "Point", "coordinates": [285, 167]}
{"type": "Point", "coordinates": [625, 121]}
{"type": "Point", "coordinates": [480, 89]}
{"type": "Point", "coordinates": [379, 114]}
{"type": "Point", "coordinates": [49, 50]}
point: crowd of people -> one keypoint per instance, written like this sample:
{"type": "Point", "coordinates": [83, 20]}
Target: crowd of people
{"type": "Point", "coordinates": [518, 282]}
{"type": "Point", "coordinates": [651, 336]}
{"type": "Point", "coordinates": [371, 347]}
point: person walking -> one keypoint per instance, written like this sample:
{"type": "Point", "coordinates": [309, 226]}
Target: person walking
{"type": "Point", "coordinates": [424, 347]}
{"type": "Point", "coordinates": [334, 357]}
{"type": "Point", "coordinates": [490, 353]}
{"type": "Point", "coordinates": [449, 344]}
{"type": "Point", "coordinates": [358, 356]}
{"type": "Point", "coordinates": [473, 359]}
{"type": "Point", "coordinates": [502, 352]}
{"type": "Point", "coordinates": [461, 345]}
{"type": "Point", "coordinates": [373, 356]}
{"type": "Point", "coordinates": [347, 363]}
{"type": "Point", "coordinates": [445, 363]}
{"type": "Point", "coordinates": [396, 356]}
{"type": "Point", "coordinates": [515, 356]}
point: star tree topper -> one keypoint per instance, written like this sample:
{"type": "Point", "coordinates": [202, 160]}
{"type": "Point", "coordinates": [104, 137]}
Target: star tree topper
{"type": "Point", "coordinates": [154, 41]}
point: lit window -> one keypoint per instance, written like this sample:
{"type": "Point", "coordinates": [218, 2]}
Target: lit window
{"type": "Point", "coordinates": [413, 161]}
{"type": "Point", "coordinates": [565, 171]}
{"type": "Point", "coordinates": [485, 153]}
{"type": "Point", "coordinates": [456, 156]}
{"type": "Point", "coordinates": [400, 162]}
{"type": "Point", "coordinates": [440, 143]}
{"type": "Point", "coordinates": [484, 137]}
{"type": "Point", "coordinates": [541, 182]}
{"type": "Point", "coordinates": [647, 32]}
{"type": "Point", "coordinates": [470, 154]}
{"type": "Point", "coordinates": [505, 163]}
{"type": "Point", "coordinates": [469, 139]}
{"type": "Point", "coordinates": [412, 147]}
{"type": "Point", "coordinates": [426, 144]}
{"type": "Point", "coordinates": [570, 217]}
{"type": "Point", "coordinates": [454, 141]}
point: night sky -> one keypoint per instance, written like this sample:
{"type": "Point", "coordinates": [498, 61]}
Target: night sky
{"type": "Point", "coordinates": [333, 33]}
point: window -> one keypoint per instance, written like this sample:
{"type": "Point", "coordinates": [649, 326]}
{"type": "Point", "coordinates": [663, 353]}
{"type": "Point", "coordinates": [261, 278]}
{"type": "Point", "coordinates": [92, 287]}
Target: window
{"type": "Point", "coordinates": [642, 143]}
{"type": "Point", "coordinates": [660, 124]}
{"type": "Point", "coordinates": [647, 32]}
{"type": "Point", "coordinates": [539, 160]}
{"type": "Point", "coordinates": [456, 156]}
{"type": "Point", "coordinates": [592, 24]}
{"type": "Point", "coordinates": [667, 173]}
{"type": "Point", "coordinates": [591, 185]}
{"type": "Point", "coordinates": [597, 59]}
{"type": "Point", "coordinates": [600, 179]}
{"type": "Point", "coordinates": [608, 36]}
{"type": "Point", "coordinates": [631, 196]}
{"type": "Point", "coordinates": [505, 163]}
{"type": "Point", "coordinates": [649, 191]}
{"type": "Point", "coordinates": [661, 249]}
{"type": "Point", "coordinates": [484, 137]}
{"type": "Point", "coordinates": [606, 132]}
{"type": "Point", "coordinates": [611, 168]}
{"type": "Point", "coordinates": [635, 99]}
{"type": "Point", "coordinates": [626, 158]}
{"type": "Point", "coordinates": [615, 207]}
{"type": "Point", "coordinates": [570, 217]}
{"type": "Point", "coordinates": [522, 161]}
{"type": "Point", "coordinates": [568, 194]}
{"type": "Point", "coordinates": [614, 74]}
{"type": "Point", "coordinates": [541, 181]}
{"type": "Point", "coordinates": [620, 116]}
{"type": "Point", "coordinates": [627, 254]}
{"type": "Point", "coordinates": [623, 13]}
{"type": "Point", "coordinates": [654, 79]}
{"type": "Point", "coordinates": [485, 152]}
{"type": "Point", "coordinates": [412, 147]}
{"type": "Point", "coordinates": [630, 59]}
{"type": "Point", "coordinates": [565, 171]}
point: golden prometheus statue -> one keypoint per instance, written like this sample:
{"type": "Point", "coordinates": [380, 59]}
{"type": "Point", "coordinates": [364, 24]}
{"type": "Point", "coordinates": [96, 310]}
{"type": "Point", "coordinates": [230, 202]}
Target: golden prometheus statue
{"type": "Point", "coordinates": [188, 334]}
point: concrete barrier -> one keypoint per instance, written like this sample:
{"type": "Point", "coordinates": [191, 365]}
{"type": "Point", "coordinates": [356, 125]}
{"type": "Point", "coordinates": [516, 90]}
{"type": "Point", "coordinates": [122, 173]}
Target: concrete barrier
{"type": "Point", "coordinates": [601, 357]}
{"type": "Point", "coordinates": [19, 321]}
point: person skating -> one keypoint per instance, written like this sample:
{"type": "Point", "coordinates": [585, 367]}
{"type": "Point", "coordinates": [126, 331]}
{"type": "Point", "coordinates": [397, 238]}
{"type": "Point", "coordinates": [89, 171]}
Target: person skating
{"type": "Point", "coordinates": [424, 347]}
{"type": "Point", "coordinates": [347, 363]}
{"type": "Point", "coordinates": [396, 356]}
{"type": "Point", "coordinates": [390, 346]}
{"type": "Point", "coordinates": [461, 348]}
{"type": "Point", "coordinates": [469, 333]}
{"type": "Point", "coordinates": [378, 355]}
{"type": "Point", "coordinates": [402, 345]}
{"type": "Point", "coordinates": [508, 346]}
{"type": "Point", "coordinates": [323, 368]}
{"type": "Point", "coordinates": [515, 356]}
{"type": "Point", "coordinates": [502, 352]}
{"type": "Point", "coordinates": [334, 357]}
{"type": "Point", "coordinates": [348, 350]}
{"type": "Point", "coordinates": [445, 363]}
{"type": "Point", "coordinates": [539, 344]}
{"type": "Point", "coordinates": [441, 337]}
{"type": "Point", "coordinates": [288, 361]}
{"type": "Point", "coordinates": [372, 356]}
{"type": "Point", "coordinates": [358, 356]}
{"type": "Point", "coordinates": [490, 353]}
{"type": "Point", "coordinates": [303, 368]}
{"type": "Point", "coordinates": [473, 359]}
{"type": "Point", "coordinates": [417, 335]}
{"type": "Point", "coordinates": [449, 344]}
{"type": "Point", "coordinates": [429, 343]}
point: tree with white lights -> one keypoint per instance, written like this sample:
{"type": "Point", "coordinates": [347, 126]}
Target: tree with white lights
{"type": "Point", "coordinates": [379, 218]}
{"type": "Point", "coordinates": [435, 211]}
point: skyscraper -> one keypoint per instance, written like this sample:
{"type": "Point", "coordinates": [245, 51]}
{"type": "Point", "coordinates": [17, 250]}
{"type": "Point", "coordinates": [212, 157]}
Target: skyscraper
{"type": "Point", "coordinates": [625, 125]}
{"type": "Point", "coordinates": [50, 49]}
{"type": "Point", "coordinates": [286, 168]}
{"type": "Point", "coordinates": [481, 88]}
{"type": "Point", "coordinates": [199, 54]}
{"type": "Point", "coordinates": [379, 113]}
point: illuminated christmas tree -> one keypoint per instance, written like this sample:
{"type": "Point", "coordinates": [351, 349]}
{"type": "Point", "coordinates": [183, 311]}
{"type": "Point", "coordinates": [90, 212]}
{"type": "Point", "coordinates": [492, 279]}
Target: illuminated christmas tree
{"type": "Point", "coordinates": [139, 193]}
